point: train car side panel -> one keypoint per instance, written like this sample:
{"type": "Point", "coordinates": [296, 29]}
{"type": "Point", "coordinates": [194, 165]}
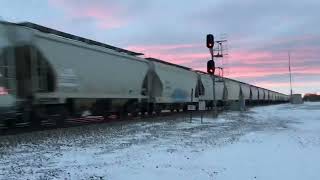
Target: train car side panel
{"type": "Point", "coordinates": [178, 84]}
{"type": "Point", "coordinates": [266, 94]}
{"type": "Point", "coordinates": [261, 94]}
{"type": "Point", "coordinates": [254, 91]}
{"type": "Point", "coordinates": [86, 73]}
{"type": "Point", "coordinates": [233, 89]}
{"type": "Point", "coordinates": [208, 85]}
{"type": "Point", "coordinates": [245, 91]}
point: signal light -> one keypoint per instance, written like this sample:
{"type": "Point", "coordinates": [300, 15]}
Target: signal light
{"type": "Point", "coordinates": [210, 41]}
{"type": "Point", "coordinates": [211, 67]}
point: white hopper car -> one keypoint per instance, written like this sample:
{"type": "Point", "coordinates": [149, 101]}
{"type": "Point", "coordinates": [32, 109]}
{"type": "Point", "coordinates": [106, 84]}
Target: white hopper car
{"type": "Point", "coordinates": [45, 72]}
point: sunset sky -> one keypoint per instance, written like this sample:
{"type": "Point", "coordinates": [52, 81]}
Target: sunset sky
{"type": "Point", "coordinates": [259, 32]}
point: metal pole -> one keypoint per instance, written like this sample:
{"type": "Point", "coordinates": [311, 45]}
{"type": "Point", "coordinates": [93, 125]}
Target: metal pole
{"type": "Point", "coordinates": [200, 100]}
{"type": "Point", "coordinates": [213, 91]}
{"type": "Point", "coordinates": [191, 104]}
{"type": "Point", "coordinates": [290, 75]}
{"type": "Point", "coordinates": [214, 96]}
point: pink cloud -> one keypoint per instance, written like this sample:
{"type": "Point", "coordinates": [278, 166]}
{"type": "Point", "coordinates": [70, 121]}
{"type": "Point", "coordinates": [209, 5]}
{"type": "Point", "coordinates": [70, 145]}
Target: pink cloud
{"type": "Point", "coordinates": [268, 57]}
{"type": "Point", "coordinates": [171, 53]}
{"type": "Point", "coordinates": [106, 16]}
{"type": "Point", "coordinates": [162, 47]}
{"type": "Point", "coordinates": [251, 72]}
{"type": "Point", "coordinates": [248, 63]}
{"type": "Point", "coordinates": [295, 39]}
{"type": "Point", "coordinates": [106, 19]}
{"type": "Point", "coordinates": [244, 64]}
{"type": "Point", "coordinates": [286, 84]}
{"type": "Point", "coordinates": [251, 57]}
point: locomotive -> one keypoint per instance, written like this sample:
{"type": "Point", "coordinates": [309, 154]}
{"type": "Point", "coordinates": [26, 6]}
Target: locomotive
{"type": "Point", "coordinates": [46, 73]}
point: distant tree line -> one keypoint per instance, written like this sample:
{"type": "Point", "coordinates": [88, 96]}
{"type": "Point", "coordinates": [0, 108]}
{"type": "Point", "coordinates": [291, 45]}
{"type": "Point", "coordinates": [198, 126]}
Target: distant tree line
{"type": "Point", "coordinates": [311, 97]}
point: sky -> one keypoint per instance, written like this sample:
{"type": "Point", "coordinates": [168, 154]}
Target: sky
{"type": "Point", "coordinates": [259, 33]}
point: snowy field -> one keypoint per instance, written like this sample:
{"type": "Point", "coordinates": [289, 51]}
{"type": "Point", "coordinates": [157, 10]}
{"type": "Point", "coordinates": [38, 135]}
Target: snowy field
{"type": "Point", "coordinates": [270, 142]}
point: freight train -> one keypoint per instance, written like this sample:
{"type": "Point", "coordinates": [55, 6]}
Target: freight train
{"type": "Point", "coordinates": [45, 73]}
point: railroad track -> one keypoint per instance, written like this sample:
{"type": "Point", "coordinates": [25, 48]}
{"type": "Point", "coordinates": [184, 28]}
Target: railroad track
{"type": "Point", "coordinates": [90, 120]}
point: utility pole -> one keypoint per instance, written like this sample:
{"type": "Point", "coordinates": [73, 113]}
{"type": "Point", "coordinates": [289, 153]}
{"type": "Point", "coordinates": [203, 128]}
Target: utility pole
{"type": "Point", "coordinates": [290, 75]}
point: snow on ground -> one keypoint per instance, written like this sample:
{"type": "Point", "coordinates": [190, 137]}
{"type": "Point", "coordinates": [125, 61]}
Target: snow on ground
{"type": "Point", "coordinates": [269, 142]}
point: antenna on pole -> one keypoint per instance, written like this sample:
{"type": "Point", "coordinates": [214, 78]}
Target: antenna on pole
{"type": "Point", "coordinates": [290, 74]}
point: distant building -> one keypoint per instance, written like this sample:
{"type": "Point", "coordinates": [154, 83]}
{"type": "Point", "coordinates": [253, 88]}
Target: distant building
{"type": "Point", "coordinates": [311, 97]}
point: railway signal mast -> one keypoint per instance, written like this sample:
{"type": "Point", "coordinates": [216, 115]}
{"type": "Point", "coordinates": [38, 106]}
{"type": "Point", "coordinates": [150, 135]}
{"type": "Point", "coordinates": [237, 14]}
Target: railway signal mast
{"type": "Point", "coordinates": [211, 64]}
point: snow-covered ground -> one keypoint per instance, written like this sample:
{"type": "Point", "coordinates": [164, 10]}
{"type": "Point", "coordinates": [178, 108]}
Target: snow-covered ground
{"type": "Point", "coordinates": [270, 142]}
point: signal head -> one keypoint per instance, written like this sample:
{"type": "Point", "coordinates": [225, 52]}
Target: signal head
{"type": "Point", "coordinates": [210, 41]}
{"type": "Point", "coordinates": [211, 67]}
